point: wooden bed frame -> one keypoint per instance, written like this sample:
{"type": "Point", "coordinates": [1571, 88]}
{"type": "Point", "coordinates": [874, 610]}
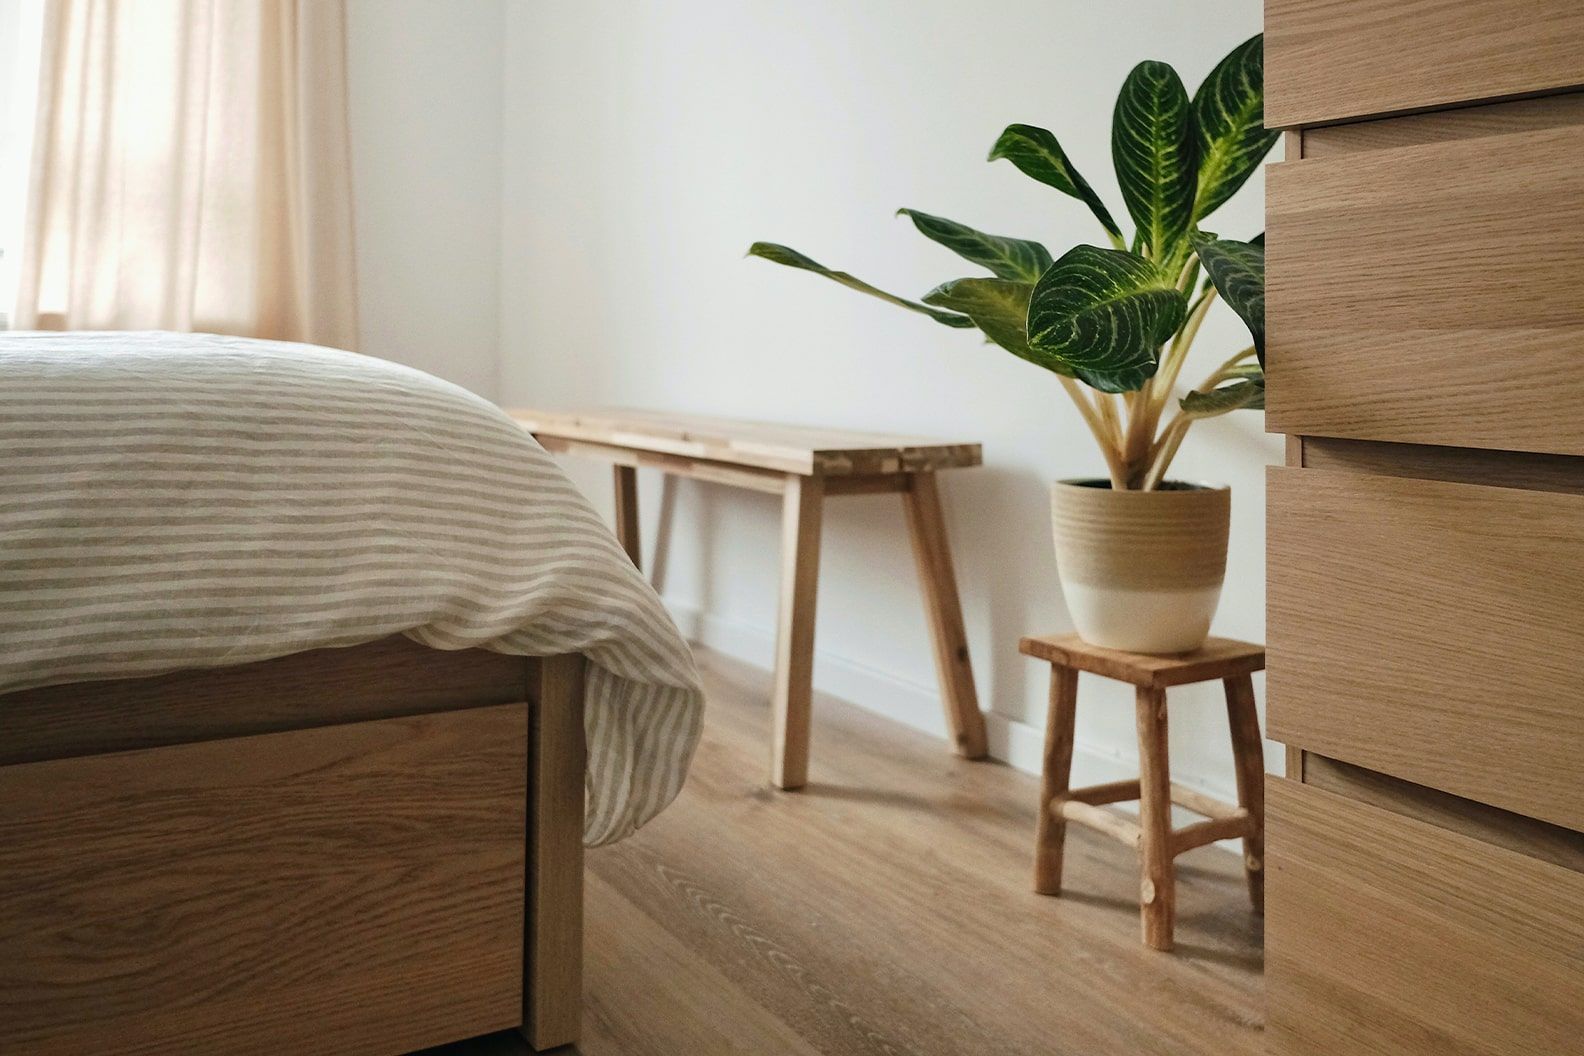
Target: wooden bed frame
{"type": "Point", "coordinates": [360, 851]}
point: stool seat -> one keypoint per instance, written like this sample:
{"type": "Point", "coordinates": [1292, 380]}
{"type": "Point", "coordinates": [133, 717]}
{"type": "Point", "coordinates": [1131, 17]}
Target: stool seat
{"type": "Point", "coordinates": [1217, 658]}
{"type": "Point", "coordinates": [1231, 662]}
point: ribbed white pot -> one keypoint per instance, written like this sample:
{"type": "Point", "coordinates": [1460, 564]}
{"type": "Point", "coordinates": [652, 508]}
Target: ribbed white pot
{"type": "Point", "coordinates": [1141, 570]}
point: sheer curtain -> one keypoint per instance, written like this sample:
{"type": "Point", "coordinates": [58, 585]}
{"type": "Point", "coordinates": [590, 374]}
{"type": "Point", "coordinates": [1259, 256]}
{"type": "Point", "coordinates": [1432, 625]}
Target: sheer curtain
{"type": "Point", "coordinates": [191, 171]}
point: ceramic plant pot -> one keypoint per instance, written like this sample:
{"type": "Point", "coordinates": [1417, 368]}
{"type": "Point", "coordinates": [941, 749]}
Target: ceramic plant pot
{"type": "Point", "coordinates": [1141, 570]}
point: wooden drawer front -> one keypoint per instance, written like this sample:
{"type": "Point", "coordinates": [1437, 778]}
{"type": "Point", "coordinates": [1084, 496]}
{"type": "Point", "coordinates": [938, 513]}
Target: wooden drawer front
{"type": "Point", "coordinates": [1329, 60]}
{"type": "Point", "coordinates": [1433, 631]}
{"type": "Point", "coordinates": [353, 889]}
{"type": "Point", "coordinates": [1430, 294]}
{"type": "Point", "coordinates": [1389, 935]}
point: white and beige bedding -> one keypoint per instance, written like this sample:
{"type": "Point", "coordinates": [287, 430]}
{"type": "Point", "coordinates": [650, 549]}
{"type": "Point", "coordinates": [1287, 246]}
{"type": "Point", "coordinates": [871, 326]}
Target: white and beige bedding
{"type": "Point", "coordinates": [172, 501]}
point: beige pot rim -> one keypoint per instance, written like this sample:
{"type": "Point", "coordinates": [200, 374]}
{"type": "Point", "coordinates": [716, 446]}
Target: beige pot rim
{"type": "Point", "coordinates": [1167, 487]}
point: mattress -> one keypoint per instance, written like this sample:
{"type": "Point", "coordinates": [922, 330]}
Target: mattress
{"type": "Point", "coordinates": [179, 501]}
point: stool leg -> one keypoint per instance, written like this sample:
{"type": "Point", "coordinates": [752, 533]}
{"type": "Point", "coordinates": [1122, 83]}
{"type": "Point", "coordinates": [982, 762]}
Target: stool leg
{"type": "Point", "coordinates": [1157, 886]}
{"type": "Point", "coordinates": [794, 670]}
{"type": "Point", "coordinates": [1248, 755]}
{"type": "Point", "coordinates": [1050, 832]}
{"type": "Point", "coordinates": [932, 553]}
{"type": "Point", "coordinates": [627, 513]}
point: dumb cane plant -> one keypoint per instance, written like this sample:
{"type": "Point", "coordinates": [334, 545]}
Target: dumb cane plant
{"type": "Point", "coordinates": [1122, 320]}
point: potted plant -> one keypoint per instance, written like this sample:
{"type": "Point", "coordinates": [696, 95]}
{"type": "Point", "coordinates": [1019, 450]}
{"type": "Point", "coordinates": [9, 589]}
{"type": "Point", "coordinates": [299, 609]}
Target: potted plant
{"type": "Point", "coordinates": [1141, 557]}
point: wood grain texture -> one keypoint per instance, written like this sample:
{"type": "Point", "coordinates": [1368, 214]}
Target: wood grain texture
{"type": "Point", "coordinates": [769, 481]}
{"type": "Point", "coordinates": [1459, 465]}
{"type": "Point", "coordinates": [803, 466]}
{"type": "Point", "coordinates": [1430, 631]}
{"type": "Point", "coordinates": [356, 889]}
{"type": "Point", "coordinates": [1330, 60]}
{"type": "Point", "coordinates": [1390, 935]}
{"type": "Point", "coordinates": [625, 479]}
{"type": "Point", "coordinates": [1292, 144]}
{"type": "Point", "coordinates": [886, 910]}
{"type": "Point", "coordinates": [552, 965]}
{"type": "Point", "coordinates": [1498, 119]}
{"type": "Point", "coordinates": [1412, 298]}
{"type": "Point", "coordinates": [1050, 827]}
{"type": "Point", "coordinates": [1151, 836]}
{"type": "Point", "coordinates": [802, 510]}
{"type": "Point", "coordinates": [1218, 658]}
{"type": "Point", "coordinates": [382, 679]}
{"type": "Point", "coordinates": [1248, 758]}
{"type": "Point", "coordinates": [1157, 871]}
{"type": "Point", "coordinates": [782, 448]}
{"type": "Point", "coordinates": [943, 612]}
{"type": "Point", "coordinates": [1502, 828]}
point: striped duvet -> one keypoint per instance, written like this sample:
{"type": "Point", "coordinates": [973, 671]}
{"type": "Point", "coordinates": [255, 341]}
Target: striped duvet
{"type": "Point", "coordinates": [174, 501]}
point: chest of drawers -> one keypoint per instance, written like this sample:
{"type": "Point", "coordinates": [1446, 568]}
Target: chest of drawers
{"type": "Point", "coordinates": [1425, 317]}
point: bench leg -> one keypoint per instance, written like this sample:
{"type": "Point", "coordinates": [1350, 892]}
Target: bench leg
{"type": "Point", "coordinates": [627, 513]}
{"type": "Point", "coordinates": [794, 670]}
{"type": "Point", "coordinates": [927, 527]}
{"type": "Point", "coordinates": [1248, 754]}
{"type": "Point", "coordinates": [1157, 882]}
{"type": "Point", "coordinates": [1050, 832]}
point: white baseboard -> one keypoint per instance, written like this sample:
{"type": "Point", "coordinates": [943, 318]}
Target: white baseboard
{"type": "Point", "coordinates": [917, 705]}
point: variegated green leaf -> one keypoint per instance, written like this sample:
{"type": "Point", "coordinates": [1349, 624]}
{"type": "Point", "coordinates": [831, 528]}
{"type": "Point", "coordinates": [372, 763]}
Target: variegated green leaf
{"type": "Point", "coordinates": [1229, 125]}
{"type": "Point", "coordinates": [1238, 271]}
{"type": "Point", "coordinates": [793, 259]}
{"type": "Point", "coordinates": [1152, 148]}
{"type": "Point", "coordinates": [1243, 394]}
{"type": "Point", "coordinates": [1105, 313]}
{"type": "Point", "coordinates": [999, 307]}
{"type": "Point", "coordinates": [1007, 258]}
{"type": "Point", "coordinates": [1036, 153]}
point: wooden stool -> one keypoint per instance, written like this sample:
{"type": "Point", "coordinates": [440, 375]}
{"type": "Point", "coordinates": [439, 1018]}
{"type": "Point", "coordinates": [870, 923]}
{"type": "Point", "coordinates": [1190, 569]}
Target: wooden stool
{"type": "Point", "coordinates": [803, 465]}
{"type": "Point", "coordinates": [1158, 843]}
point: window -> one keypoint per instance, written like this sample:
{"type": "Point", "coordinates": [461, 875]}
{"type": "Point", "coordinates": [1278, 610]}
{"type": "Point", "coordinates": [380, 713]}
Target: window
{"type": "Point", "coordinates": [21, 22]}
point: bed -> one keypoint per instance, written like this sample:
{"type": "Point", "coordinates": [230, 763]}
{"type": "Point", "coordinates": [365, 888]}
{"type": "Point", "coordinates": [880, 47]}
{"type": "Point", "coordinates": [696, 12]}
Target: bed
{"type": "Point", "coordinates": [316, 677]}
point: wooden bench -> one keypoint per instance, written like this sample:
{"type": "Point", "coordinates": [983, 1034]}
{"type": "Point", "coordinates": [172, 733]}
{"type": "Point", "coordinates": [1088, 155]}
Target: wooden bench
{"type": "Point", "coordinates": [803, 466]}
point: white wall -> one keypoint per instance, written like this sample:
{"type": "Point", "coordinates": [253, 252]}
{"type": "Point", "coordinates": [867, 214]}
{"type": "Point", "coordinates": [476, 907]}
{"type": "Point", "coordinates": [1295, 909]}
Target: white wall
{"type": "Point", "coordinates": [425, 84]}
{"type": "Point", "coordinates": [647, 144]}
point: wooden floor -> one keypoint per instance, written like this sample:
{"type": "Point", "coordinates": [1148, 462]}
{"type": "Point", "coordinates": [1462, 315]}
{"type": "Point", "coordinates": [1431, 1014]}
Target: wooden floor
{"type": "Point", "coordinates": [885, 909]}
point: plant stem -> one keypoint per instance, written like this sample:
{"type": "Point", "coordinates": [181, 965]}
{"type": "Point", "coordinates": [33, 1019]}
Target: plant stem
{"type": "Point", "coordinates": [1222, 373]}
{"type": "Point", "coordinates": [1166, 378]}
{"type": "Point", "coordinates": [1103, 436]}
{"type": "Point", "coordinates": [1171, 438]}
{"type": "Point", "coordinates": [1165, 450]}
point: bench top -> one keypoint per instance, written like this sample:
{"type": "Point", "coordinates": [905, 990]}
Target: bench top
{"type": "Point", "coordinates": [806, 450]}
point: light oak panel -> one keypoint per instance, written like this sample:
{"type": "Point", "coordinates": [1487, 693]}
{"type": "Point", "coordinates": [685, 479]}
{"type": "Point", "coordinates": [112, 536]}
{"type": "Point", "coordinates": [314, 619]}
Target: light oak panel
{"type": "Point", "coordinates": [1535, 839]}
{"type": "Point", "coordinates": [1331, 60]}
{"type": "Point", "coordinates": [1462, 465]}
{"type": "Point", "coordinates": [1385, 934]}
{"type": "Point", "coordinates": [321, 687]}
{"type": "Point", "coordinates": [1431, 631]}
{"type": "Point", "coordinates": [1420, 294]}
{"type": "Point", "coordinates": [1498, 119]}
{"type": "Point", "coordinates": [354, 889]}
